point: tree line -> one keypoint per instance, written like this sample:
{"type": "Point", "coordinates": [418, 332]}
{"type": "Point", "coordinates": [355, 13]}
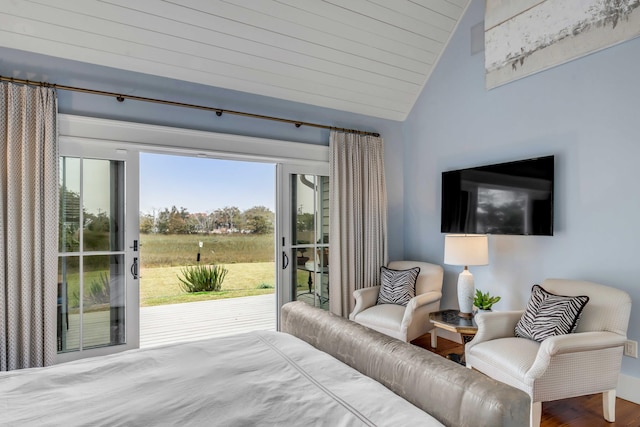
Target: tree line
{"type": "Point", "coordinates": [257, 220]}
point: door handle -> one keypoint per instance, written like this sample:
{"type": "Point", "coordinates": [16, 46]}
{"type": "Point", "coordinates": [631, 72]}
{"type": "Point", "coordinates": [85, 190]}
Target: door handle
{"type": "Point", "coordinates": [134, 268]}
{"type": "Point", "coordinates": [285, 260]}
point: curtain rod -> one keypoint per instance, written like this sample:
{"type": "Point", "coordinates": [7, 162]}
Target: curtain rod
{"type": "Point", "coordinates": [219, 111]}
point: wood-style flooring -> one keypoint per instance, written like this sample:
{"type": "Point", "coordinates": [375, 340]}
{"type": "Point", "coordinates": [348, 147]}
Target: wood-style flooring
{"type": "Point", "coordinates": [584, 411]}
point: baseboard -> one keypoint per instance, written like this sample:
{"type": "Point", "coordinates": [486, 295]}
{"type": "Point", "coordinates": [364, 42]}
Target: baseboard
{"type": "Point", "coordinates": [628, 388]}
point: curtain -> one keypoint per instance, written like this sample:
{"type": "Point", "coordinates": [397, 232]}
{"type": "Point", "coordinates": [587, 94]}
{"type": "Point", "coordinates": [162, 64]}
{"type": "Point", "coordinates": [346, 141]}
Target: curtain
{"type": "Point", "coordinates": [28, 226]}
{"type": "Point", "coordinates": [357, 217]}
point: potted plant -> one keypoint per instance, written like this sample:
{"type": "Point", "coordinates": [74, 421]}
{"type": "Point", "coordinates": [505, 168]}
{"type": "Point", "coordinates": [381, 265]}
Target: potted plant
{"type": "Point", "coordinates": [484, 301]}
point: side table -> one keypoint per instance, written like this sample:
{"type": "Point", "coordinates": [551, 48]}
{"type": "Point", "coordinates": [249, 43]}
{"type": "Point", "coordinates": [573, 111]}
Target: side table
{"type": "Point", "coordinates": [449, 320]}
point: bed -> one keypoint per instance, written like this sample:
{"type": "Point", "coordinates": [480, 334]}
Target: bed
{"type": "Point", "coordinates": [258, 378]}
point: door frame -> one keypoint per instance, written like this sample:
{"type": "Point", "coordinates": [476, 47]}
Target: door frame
{"type": "Point", "coordinates": [138, 137]}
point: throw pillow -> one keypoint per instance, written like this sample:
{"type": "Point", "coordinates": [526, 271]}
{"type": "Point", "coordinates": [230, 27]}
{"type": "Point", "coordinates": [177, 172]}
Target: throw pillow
{"type": "Point", "coordinates": [549, 314]}
{"type": "Point", "coordinates": [397, 286]}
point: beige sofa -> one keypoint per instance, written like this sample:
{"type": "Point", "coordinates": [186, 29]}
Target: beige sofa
{"type": "Point", "coordinates": [452, 394]}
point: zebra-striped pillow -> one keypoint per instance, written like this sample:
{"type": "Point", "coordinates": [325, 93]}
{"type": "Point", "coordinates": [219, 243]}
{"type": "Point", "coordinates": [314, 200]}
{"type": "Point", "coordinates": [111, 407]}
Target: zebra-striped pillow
{"type": "Point", "coordinates": [549, 314]}
{"type": "Point", "coordinates": [397, 286]}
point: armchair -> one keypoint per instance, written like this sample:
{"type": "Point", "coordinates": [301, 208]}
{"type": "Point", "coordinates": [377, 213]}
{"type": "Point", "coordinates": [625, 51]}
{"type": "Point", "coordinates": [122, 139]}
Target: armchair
{"type": "Point", "coordinates": [584, 362]}
{"type": "Point", "coordinates": [398, 321]}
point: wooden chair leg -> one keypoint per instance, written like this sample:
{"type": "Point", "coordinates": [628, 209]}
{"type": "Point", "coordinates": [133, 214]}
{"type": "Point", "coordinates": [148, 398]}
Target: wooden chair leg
{"type": "Point", "coordinates": [609, 405]}
{"type": "Point", "coordinates": [536, 414]}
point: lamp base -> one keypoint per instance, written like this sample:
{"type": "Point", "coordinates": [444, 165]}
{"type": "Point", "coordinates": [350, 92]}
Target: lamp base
{"type": "Point", "coordinates": [466, 290]}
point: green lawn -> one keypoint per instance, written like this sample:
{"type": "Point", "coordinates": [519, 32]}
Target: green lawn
{"type": "Point", "coordinates": [160, 285]}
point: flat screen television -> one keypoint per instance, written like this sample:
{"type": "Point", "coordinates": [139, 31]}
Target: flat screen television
{"type": "Point", "coordinates": [506, 198]}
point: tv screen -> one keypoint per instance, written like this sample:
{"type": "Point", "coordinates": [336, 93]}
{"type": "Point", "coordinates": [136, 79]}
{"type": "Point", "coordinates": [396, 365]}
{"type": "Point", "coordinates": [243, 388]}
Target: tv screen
{"type": "Point", "coordinates": [505, 198]}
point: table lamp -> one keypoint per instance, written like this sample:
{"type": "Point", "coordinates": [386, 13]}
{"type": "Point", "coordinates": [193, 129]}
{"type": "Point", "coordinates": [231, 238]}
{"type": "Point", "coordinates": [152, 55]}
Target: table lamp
{"type": "Point", "coordinates": [466, 249]}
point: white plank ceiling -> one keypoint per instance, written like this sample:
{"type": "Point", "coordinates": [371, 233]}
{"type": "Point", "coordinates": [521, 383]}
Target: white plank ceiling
{"type": "Point", "coordinates": [371, 57]}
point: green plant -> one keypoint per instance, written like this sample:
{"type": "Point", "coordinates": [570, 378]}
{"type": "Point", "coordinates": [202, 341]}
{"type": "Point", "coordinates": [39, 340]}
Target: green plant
{"type": "Point", "coordinates": [264, 286]}
{"type": "Point", "coordinates": [98, 290]}
{"type": "Point", "coordinates": [484, 301]}
{"type": "Point", "coordinates": [202, 278]}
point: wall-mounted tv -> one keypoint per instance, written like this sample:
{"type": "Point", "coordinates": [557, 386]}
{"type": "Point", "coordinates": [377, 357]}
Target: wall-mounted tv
{"type": "Point", "coordinates": [506, 198]}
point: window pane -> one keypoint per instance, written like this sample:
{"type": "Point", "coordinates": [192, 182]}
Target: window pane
{"type": "Point", "coordinates": [103, 301]}
{"type": "Point", "coordinates": [310, 202]}
{"type": "Point", "coordinates": [69, 226]}
{"type": "Point", "coordinates": [68, 304]}
{"type": "Point", "coordinates": [304, 208]}
{"type": "Point", "coordinates": [103, 204]}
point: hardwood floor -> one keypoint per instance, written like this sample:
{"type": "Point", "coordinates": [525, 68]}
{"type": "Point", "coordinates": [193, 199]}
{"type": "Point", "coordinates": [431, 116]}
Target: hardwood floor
{"type": "Point", "coordinates": [584, 411]}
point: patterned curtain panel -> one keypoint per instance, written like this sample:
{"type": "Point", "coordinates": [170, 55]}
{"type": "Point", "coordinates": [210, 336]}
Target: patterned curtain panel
{"type": "Point", "coordinates": [357, 217]}
{"type": "Point", "coordinates": [28, 226]}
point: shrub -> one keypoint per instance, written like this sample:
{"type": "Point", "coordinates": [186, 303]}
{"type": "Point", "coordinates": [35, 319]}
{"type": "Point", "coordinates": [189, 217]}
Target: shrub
{"type": "Point", "coordinates": [98, 291]}
{"type": "Point", "coordinates": [264, 286]}
{"type": "Point", "coordinates": [202, 278]}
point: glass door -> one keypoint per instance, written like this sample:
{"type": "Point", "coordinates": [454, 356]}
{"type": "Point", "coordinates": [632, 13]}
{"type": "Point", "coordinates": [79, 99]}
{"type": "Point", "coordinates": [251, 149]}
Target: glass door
{"type": "Point", "coordinates": [97, 308]}
{"type": "Point", "coordinates": [303, 234]}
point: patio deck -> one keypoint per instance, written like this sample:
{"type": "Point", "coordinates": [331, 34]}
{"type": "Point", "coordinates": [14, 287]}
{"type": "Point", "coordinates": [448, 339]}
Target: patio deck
{"type": "Point", "coordinates": [166, 324]}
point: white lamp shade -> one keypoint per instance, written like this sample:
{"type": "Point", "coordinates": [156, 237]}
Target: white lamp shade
{"type": "Point", "coordinates": [466, 249]}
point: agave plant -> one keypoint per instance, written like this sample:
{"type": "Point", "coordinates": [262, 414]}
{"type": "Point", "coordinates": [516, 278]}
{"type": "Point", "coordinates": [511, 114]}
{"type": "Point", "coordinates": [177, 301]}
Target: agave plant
{"type": "Point", "coordinates": [202, 278]}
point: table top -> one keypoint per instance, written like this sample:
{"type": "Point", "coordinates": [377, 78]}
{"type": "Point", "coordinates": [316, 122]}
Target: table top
{"type": "Point", "coordinates": [451, 321]}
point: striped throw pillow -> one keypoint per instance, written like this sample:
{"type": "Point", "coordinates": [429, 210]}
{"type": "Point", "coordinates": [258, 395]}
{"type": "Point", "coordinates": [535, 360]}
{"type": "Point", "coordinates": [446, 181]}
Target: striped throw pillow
{"type": "Point", "coordinates": [549, 314]}
{"type": "Point", "coordinates": [397, 286]}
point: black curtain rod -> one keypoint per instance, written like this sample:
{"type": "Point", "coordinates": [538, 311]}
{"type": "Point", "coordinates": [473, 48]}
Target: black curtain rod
{"type": "Point", "coordinates": [218, 111]}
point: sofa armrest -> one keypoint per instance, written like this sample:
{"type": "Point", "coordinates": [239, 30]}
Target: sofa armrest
{"type": "Point", "coordinates": [415, 304]}
{"type": "Point", "coordinates": [493, 325]}
{"type": "Point", "coordinates": [580, 342]}
{"type": "Point", "coordinates": [424, 299]}
{"type": "Point", "coordinates": [365, 298]}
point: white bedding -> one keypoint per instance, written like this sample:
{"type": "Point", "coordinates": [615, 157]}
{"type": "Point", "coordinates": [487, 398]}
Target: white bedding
{"type": "Point", "coordinates": [254, 379]}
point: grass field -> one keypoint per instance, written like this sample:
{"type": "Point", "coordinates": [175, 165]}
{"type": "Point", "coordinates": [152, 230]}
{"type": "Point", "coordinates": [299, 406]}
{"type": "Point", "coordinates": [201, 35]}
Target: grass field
{"type": "Point", "coordinates": [160, 285]}
{"type": "Point", "coordinates": [248, 257]}
{"type": "Point", "coordinates": [159, 250]}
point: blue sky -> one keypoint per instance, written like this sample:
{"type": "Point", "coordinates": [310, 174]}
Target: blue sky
{"type": "Point", "coordinates": [203, 184]}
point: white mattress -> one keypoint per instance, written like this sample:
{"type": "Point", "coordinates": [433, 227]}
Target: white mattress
{"type": "Point", "coordinates": [254, 379]}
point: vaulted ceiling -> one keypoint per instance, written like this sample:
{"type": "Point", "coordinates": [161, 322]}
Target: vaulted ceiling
{"type": "Point", "coordinates": [370, 57]}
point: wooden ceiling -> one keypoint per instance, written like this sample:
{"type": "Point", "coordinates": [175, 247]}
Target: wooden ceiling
{"type": "Point", "coordinates": [371, 57]}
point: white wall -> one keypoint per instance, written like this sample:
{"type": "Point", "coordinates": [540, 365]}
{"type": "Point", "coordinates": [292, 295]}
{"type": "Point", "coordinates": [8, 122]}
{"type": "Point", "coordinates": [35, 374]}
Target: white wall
{"type": "Point", "coordinates": [586, 113]}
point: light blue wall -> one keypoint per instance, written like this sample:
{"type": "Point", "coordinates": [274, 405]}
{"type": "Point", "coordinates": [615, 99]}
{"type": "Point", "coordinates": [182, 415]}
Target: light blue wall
{"type": "Point", "coordinates": [18, 64]}
{"type": "Point", "coordinates": [586, 113]}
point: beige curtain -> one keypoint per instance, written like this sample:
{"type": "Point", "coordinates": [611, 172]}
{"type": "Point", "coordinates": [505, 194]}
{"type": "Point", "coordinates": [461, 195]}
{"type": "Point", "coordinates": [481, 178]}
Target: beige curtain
{"type": "Point", "coordinates": [358, 217]}
{"type": "Point", "coordinates": [28, 226]}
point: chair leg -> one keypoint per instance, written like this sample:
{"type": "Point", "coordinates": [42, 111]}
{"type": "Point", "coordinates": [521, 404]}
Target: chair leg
{"type": "Point", "coordinates": [609, 405]}
{"type": "Point", "coordinates": [536, 414]}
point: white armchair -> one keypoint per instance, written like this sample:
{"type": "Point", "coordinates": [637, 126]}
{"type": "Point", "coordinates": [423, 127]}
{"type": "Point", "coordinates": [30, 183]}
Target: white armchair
{"type": "Point", "coordinates": [584, 362]}
{"type": "Point", "coordinates": [404, 323]}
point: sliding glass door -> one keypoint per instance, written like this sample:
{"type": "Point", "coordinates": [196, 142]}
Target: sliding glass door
{"type": "Point", "coordinates": [97, 308]}
{"type": "Point", "coordinates": [303, 234]}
